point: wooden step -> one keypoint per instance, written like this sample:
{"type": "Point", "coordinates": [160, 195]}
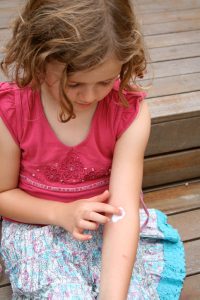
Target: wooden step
{"type": "Point", "coordinates": [169, 168]}
{"type": "Point", "coordinates": [149, 6]}
{"type": "Point", "coordinates": [175, 199]}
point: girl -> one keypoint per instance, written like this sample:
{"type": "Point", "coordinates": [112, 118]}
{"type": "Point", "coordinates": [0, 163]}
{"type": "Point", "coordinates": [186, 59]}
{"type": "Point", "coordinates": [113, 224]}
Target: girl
{"type": "Point", "coordinates": [72, 142]}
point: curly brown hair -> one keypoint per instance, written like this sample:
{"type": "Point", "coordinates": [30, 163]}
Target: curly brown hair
{"type": "Point", "coordinates": [78, 33]}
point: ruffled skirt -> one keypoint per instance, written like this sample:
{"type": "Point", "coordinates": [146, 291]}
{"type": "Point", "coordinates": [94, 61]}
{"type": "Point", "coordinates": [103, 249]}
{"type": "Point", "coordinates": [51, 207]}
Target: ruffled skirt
{"type": "Point", "coordinates": [48, 263]}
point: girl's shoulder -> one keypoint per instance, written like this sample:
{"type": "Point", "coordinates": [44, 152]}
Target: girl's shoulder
{"type": "Point", "coordinates": [13, 107]}
{"type": "Point", "coordinates": [11, 95]}
{"type": "Point", "coordinates": [131, 96]}
{"type": "Point", "coordinates": [122, 116]}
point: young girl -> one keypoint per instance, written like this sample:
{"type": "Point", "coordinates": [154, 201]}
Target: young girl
{"type": "Point", "coordinates": [72, 138]}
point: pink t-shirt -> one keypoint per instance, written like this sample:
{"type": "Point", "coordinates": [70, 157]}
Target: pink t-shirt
{"type": "Point", "coordinates": [50, 169]}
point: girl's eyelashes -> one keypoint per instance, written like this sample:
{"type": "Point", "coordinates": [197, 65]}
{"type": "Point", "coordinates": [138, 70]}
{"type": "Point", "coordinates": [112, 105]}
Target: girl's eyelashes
{"type": "Point", "coordinates": [74, 85]}
{"type": "Point", "coordinates": [106, 82]}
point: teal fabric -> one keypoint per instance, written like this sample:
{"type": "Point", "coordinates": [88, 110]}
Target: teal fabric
{"type": "Point", "coordinates": [172, 278]}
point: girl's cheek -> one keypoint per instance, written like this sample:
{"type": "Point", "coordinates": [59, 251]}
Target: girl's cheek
{"type": "Point", "coordinates": [71, 95]}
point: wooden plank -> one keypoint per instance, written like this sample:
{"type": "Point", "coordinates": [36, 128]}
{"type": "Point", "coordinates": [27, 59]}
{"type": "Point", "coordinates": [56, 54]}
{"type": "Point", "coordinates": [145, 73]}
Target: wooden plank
{"type": "Point", "coordinates": [165, 40]}
{"type": "Point", "coordinates": [174, 107]}
{"type": "Point", "coordinates": [6, 293]}
{"type": "Point", "coordinates": [171, 136]}
{"type": "Point", "coordinates": [170, 16]}
{"type": "Point", "coordinates": [191, 288]}
{"type": "Point", "coordinates": [175, 199]}
{"type": "Point", "coordinates": [174, 52]}
{"type": "Point", "coordinates": [5, 34]}
{"type": "Point", "coordinates": [10, 4]}
{"type": "Point", "coordinates": [149, 7]}
{"type": "Point", "coordinates": [187, 224]}
{"type": "Point", "coordinates": [173, 67]}
{"type": "Point", "coordinates": [192, 257]}
{"type": "Point", "coordinates": [176, 26]}
{"type": "Point", "coordinates": [8, 15]}
{"type": "Point", "coordinates": [165, 169]}
{"type": "Point", "coordinates": [173, 85]}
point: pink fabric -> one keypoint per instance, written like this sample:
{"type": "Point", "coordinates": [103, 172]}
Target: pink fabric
{"type": "Point", "coordinates": [52, 170]}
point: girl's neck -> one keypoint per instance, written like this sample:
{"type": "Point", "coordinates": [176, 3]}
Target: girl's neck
{"type": "Point", "coordinates": [74, 131]}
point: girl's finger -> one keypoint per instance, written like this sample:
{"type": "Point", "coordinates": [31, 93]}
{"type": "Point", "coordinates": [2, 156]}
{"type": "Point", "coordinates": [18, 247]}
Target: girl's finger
{"type": "Point", "coordinates": [96, 217]}
{"type": "Point", "coordinates": [106, 208]}
{"type": "Point", "coordinates": [87, 225]}
{"type": "Point", "coordinates": [80, 236]}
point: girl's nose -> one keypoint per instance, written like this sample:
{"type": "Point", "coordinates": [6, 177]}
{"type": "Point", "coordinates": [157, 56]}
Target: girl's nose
{"type": "Point", "coordinates": [88, 96]}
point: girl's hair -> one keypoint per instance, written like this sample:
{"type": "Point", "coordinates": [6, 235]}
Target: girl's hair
{"type": "Point", "coordinates": [79, 33]}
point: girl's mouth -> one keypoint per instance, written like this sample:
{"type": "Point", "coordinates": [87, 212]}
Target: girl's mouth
{"type": "Point", "coordinates": [83, 104]}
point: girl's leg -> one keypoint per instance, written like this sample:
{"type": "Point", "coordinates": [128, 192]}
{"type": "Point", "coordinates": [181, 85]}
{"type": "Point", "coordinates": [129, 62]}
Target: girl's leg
{"type": "Point", "coordinates": [40, 264]}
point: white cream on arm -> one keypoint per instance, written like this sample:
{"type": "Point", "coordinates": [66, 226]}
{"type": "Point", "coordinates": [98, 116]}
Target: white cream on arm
{"type": "Point", "coordinates": [116, 218]}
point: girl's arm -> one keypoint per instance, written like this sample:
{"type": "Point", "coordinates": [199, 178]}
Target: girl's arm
{"type": "Point", "coordinates": [14, 203]}
{"type": "Point", "coordinates": [121, 239]}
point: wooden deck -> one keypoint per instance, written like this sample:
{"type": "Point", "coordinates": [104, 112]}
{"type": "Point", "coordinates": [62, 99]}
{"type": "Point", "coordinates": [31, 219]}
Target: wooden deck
{"type": "Point", "coordinates": [172, 160]}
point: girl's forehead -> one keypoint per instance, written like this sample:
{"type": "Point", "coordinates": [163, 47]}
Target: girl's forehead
{"type": "Point", "coordinates": [109, 69]}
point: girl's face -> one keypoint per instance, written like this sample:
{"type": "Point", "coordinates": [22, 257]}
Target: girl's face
{"type": "Point", "coordinates": [84, 88]}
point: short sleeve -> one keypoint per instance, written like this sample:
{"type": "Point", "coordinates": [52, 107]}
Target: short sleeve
{"type": "Point", "coordinates": [8, 109]}
{"type": "Point", "coordinates": [124, 116]}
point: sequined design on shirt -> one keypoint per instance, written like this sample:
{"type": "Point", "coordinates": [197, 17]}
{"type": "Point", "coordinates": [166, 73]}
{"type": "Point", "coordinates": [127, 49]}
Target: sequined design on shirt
{"type": "Point", "coordinates": [70, 170]}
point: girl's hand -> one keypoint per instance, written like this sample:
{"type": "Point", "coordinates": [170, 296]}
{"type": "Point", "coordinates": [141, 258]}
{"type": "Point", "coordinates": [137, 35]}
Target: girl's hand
{"type": "Point", "coordinates": [85, 214]}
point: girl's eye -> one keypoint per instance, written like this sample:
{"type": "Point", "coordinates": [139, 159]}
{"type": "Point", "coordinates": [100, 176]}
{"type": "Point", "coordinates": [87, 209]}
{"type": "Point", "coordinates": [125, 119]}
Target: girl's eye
{"type": "Point", "coordinates": [105, 82]}
{"type": "Point", "coordinates": [73, 85]}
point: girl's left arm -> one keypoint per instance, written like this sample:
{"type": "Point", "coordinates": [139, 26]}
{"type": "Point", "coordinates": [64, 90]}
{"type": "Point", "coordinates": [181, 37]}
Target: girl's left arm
{"type": "Point", "coordinates": [120, 239]}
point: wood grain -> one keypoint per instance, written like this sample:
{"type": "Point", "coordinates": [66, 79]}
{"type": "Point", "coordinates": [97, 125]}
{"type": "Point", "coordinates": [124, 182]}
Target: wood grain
{"type": "Point", "coordinates": [192, 257]}
{"type": "Point", "coordinates": [6, 293]}
{"type": "Point", "coordinates": [174, 107]}
{"type": "Point", "coordinates": [149, 6]}
{"type": "Point", "coordinates": [187, 223]}
{"type": "Point", "coordinates": [174, 52]}
{"type": "Point", "coordinates": [173, 67]}
{"type": "Point", "coordinates": [173, 85]}
{"type": "Point", "coordinates": [176, 199]}
{"type": "Point", "coordinates": [191, 288]}
{"type": "Point", "coordinates": [170, 16]}
{"type": "Point", "coordinates": [170, 27]}
{"type": "Point", "coordinates": [171, 136]}
{"type": "Point", "coordinates": [171, 168]}
{"type": "Point", "coordinates": [170, 39]}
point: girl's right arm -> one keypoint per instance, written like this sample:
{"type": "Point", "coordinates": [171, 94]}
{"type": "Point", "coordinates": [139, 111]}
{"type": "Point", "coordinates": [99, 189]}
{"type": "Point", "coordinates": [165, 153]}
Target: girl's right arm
{"type": "Point", "coordinates": [18, 205]}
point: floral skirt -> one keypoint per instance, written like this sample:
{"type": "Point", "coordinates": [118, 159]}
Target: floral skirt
{"type": "Point", "coordinates": [48, 263]}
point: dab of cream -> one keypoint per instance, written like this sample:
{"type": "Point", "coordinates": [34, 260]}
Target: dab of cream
{"type": "Point", "coordinates": [116, 218]}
